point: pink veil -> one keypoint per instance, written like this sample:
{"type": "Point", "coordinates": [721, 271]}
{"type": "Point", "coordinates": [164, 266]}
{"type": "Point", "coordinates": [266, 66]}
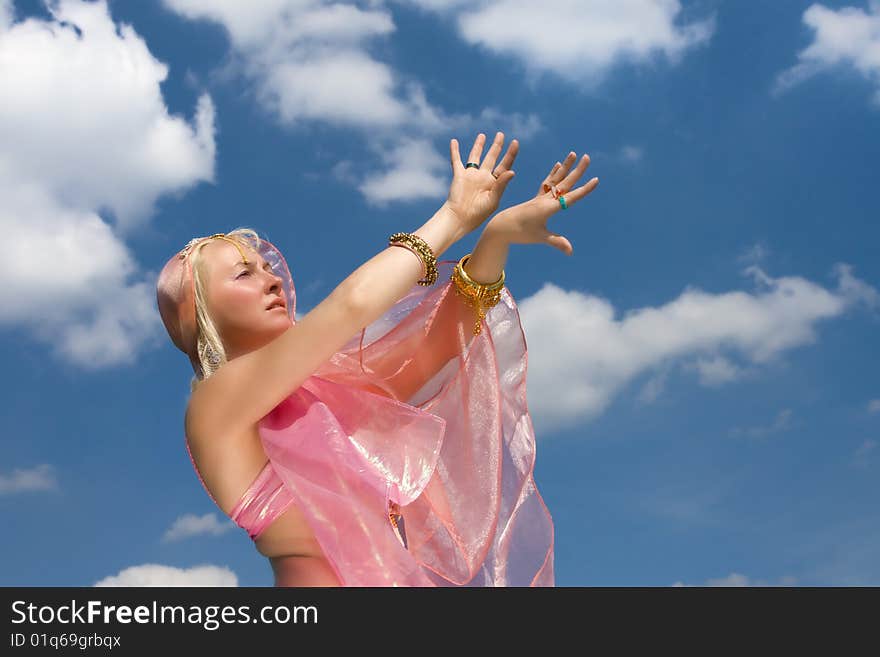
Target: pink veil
{"type": "Point", "coordinates": [417, 411]}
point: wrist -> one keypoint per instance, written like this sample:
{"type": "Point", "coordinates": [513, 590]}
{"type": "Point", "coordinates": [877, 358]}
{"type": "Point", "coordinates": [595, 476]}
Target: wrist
{"type": "Point", "coordinates": [494, 231]}
{"type": "Point", "coordinates": [441, 231]}
{"type": "Point", "coordinates": [488, 257]}
{"type": "Point", "coordinates": [450, 219]}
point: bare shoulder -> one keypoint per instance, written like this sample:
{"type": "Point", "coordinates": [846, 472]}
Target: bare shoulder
{"type": "Point", "coordinates": [244, 390]}
{"type": "Point", "coordinates": [228, 462]}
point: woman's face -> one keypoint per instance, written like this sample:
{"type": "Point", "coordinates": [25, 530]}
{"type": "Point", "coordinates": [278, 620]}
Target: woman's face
{"type": "Point", "coordinates": [239, 297]}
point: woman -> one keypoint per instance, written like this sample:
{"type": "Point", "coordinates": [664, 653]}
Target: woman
{"type": "Point", "coordinates": [383, 439]}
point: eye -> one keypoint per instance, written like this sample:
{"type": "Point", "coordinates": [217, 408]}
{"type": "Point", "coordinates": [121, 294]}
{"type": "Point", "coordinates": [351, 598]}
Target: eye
{"type": "Point", "coordinates": [243, 273]}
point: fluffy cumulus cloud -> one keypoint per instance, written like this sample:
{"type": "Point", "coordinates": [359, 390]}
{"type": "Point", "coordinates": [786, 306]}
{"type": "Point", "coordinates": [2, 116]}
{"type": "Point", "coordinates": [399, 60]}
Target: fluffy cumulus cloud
{"type": "Point", "coordinates": [849, 36]}
{"type": "Point", "coordinates": [153, 574]}
{"type": "Point", "coordinates": [409, 166]}
{"type": "Point", "coordinates": [309, 59]}
{"type": "Point", "coordinates": [189, 525]}
{"type": "Point", "coordinates": [26, 480]}
{"type": "Point", "coordinates": [87, 146]}
{"type": "Point", "coordinates": [6, 14]}
{"type": "Point", "coordinates": [581, 354]}
{"type": "Point", "coordinates": [738, 579]}
{"type": "Point", "coordinates": [314, 61]}
{"type": "Point", "coordinates": [577, 40]}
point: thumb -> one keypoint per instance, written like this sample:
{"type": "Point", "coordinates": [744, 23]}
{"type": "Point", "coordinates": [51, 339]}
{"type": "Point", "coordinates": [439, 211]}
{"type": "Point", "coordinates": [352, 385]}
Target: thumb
{"type": "Point", "coordinates": [503, 179]}
{"type": "Point", "coordinates": [558, 242]}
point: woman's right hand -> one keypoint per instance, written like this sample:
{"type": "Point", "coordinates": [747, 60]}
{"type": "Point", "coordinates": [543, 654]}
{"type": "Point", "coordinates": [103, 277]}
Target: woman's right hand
{"type": "Point", "coordinates": [475, 192]}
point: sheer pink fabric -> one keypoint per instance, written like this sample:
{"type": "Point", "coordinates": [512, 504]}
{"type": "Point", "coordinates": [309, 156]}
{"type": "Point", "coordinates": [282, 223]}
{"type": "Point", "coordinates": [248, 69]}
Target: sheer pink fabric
{"type": "Point", "coordinates": [418, 411]}
{"type": "Point", "coordinates": [265, 499]}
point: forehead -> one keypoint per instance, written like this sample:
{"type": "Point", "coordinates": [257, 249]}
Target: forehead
{"type": "Point", "coordinates": [223, 256]}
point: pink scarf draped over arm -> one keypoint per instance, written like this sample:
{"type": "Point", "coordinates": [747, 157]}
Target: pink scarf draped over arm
{"type": "Point", "coordinates": [418, 411]}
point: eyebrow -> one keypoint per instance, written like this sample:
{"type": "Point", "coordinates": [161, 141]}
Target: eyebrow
{"type": "Point", "coordinates": [251, 264]}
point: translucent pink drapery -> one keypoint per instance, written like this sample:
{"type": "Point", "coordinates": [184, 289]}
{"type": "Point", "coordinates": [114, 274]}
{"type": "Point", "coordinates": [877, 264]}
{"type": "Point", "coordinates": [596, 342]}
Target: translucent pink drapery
{"type": "Point", "coordinates": [418, 411]}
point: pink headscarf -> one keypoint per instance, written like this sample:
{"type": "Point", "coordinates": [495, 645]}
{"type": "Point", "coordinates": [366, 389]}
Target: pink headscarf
{"type": "Point", "coordinates": [175, 291]}
{"type": "Point", "coordinates": [457, 457]}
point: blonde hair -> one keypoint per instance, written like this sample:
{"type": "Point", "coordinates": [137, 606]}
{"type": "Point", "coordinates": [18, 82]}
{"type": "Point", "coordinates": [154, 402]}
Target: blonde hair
{"type": "Point", "coordinates": [208, 339]}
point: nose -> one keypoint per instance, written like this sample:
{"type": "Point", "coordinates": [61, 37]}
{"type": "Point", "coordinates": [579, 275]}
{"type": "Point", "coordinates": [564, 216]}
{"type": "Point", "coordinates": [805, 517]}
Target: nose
{"type": "Point", "coordinates": [274, 282]}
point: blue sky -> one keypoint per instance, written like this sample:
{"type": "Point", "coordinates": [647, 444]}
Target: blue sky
{"type": "Point", "coordinates": [702, 371]}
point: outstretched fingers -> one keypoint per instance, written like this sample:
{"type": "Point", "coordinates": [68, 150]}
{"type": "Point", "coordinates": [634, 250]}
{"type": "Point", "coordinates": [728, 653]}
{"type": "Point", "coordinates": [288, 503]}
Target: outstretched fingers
{"type": "Point", "coordinates": [509, 157]}
{"type": "Point", "coordinates": [489, 163]}
{"type": "Point", "coordinates": [560, 171]}
{"type": "Point", "coordinates": [477, 149]}
{"type": "Point", "coordinates": [578, 193]}
{"type": "Point", "coordinates": [556, 173]}
{"type": "Point", "coordinates": [455, 156]}
{"type": "Point", "coordinates": [569, 180]}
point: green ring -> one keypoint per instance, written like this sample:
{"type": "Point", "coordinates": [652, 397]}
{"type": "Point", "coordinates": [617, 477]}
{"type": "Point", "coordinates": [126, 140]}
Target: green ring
{"type": "Point", "coordinates": [471, 164]}
{"type": "Point", "coordinates": [562, 202]}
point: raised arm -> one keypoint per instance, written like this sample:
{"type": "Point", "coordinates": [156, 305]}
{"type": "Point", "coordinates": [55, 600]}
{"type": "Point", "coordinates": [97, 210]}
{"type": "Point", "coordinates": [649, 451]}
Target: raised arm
{"type": "Point", "coordinates": [412, 362]}
{"type": "Point", "coordinates": [248, 387]}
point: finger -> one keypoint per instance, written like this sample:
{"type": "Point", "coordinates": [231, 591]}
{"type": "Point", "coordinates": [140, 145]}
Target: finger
{"type": "Point", "coordinates": [509, 157]}
{"type": "Point", "coordinates": [477, 149]}
{"type": "Point", "coordinates": [558, 242]}
{"type": "Point", "coordinates": [455, 156]}
{"type": "Point", "coordinates": [566, 183]}
{"type": "Point", "coordinates": [545, 184]}
{"type": "Point", "coordinates": [576, 195]}
{"type": "Point", "coordinates": [503, 179]}
{"type": "Point", "coordinates": [559, 174]}
{"type": "Point", "coordinates": [497, 143]}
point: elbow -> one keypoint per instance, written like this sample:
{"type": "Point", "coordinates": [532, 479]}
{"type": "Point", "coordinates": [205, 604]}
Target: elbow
{"type": "Point", "coordinates": [354, 302]}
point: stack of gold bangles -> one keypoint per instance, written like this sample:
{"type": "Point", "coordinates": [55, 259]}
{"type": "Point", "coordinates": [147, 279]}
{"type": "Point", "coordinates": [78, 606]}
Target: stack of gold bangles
{"type": "Point", "coordinates": [476, 295]}
{"type": "Point", "coordinates": [420, 247]}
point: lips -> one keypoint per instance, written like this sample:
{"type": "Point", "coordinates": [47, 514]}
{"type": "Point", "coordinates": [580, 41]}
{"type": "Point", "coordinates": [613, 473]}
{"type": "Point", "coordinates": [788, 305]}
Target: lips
{"type": "Point", "coordinates": [278, 303]}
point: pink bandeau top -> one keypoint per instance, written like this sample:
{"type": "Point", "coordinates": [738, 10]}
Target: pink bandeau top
{"type": "Point", "coordinates": [264, 500]}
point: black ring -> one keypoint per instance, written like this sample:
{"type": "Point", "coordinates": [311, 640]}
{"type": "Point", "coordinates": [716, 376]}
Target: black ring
{"type": "Point", "coordinates": [471, 164]}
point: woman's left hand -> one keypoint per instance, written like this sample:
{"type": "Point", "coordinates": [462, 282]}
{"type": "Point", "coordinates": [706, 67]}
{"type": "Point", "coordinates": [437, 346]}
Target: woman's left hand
{"type": "Point", "coordinates": [526, 223]}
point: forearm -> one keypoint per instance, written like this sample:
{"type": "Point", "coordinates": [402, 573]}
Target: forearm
{"type": "Point", "coordinates": [409, 365]}
{"type": "Point", "coordinates": [383, 279]}
{"type": "Point", "coordinates": [488, 257]}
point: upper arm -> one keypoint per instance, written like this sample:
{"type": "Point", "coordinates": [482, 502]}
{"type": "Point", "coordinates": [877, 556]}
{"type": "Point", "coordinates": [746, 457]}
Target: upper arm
{"type": "Point", "coordinates": [247, 388]}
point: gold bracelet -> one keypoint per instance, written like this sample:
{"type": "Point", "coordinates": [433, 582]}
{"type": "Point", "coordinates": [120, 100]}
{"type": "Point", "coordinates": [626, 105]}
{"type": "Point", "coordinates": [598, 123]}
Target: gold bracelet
{"type": "Point", "coordinates": [420, 247]}
{"type": "Point", "coordinates": [476, 295]}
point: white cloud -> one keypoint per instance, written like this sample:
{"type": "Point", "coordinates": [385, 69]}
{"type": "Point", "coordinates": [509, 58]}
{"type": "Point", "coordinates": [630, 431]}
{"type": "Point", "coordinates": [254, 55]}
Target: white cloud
{"type": "Point", "coordinates": [84, 116]}
{"type": "Point", "coordinates": [7, 14]}
{"type": "Point", "coordinates": [153, 574]}
{"type": "Point", "coordinates": [192, 525]}
{"type": "Point", "coordinates": [577, 40]}
{"type": "Point", "coordinates": [22, 480]}
{"type": "Point", "coordinates": [781, 422]}
{"type": "Point", "coordinates": [309, 59]}
{"type": "Point", "coordinates": [581, 355]}
{"type": "Point", "coordinates": [874, 406]}
{"type": "Point", "coordinates": [756, 253]}
{"type": "Point", "coordinates": [653, 388]}
{"type": "Point", "coordinates": [412, 170]}
{"type": "Point", "coordinates": [631, 154]}
{"type": "Point", "coordinates": [738, 579]}
{"type": "Point", "coordinates": [716, 370]}
{"type": "Point", "coordinates": [313, 61]}
{"type": "Point", "coordinates": [84, 129]}
{"type": "Point", "coordinates": [847, 36]}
